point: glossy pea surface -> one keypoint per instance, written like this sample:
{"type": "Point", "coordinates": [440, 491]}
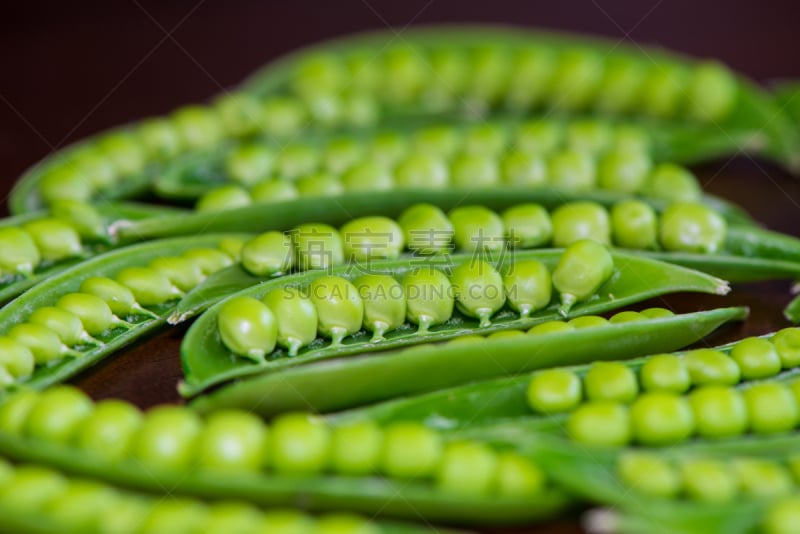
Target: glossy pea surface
{"type": "Point", "coordinates": [575, 221]}
{"type": "Point", "coordinates": [247, 327]}
{"type": "Point", "coordinates": [167, 438]}
{"type": "Point", "coordinates": [429, 297]}
{"type": "Point", "coordinates": [554, 391]}
{"type": "Point", "coordinates": [478, 289]}
{"type": "Point", "coordinates": [582, 269]}
{"type": "Point", "coordinates": [317, 246]}
{"type": "Point", "coordinates": [528, 286]}
{"type": "Point", "coordinates": [268, 254]}
{"type": "Point", "coordinates": [296, 317]}
{"type": "Point", "coordinates": [384, 303]}
{"type": "Point", "coordinates": [340, 310]}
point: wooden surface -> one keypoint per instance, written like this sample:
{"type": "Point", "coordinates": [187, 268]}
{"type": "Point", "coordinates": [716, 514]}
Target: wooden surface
{"type": "Point", "coordinates": [71, 71]}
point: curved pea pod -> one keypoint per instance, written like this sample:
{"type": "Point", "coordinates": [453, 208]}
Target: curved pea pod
{"type": "Point", "coordinates": [51, 291]}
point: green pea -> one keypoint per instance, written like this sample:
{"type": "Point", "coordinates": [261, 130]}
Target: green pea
{"type": "Point", "coordinates": [387, 148]}
{"type": "Point", "coordinates": [624, 170]}
{"type": "Point", "coordinates": [286, 522]}
{"type": "Point", "coordinates": [600, 424]}
{"type": "Point", "coordinates": [588, 321]}
{"type": "Point", "coordinates": [663, 90]}
{"type": "Point", "coordinates": [367, 176]}
{"type": "Point", "coordinates": [359, 110]}
{"type": "Point", "coordinates": [342, 523]}
{"type": "Point", "coordinates": [239, 113]}
{"type": "Point", "coordinates": [15, 409]}
{"type": "Point", "coordinates": [20, 255]}
{"type": "Point", "coordinates": [787, 345]}
{"type": "Point", "coordinates": [93, 165]}
{"type": "Point", "coordinates": [429, 298]}
{"type": "Point", "coordinates": [124, 517]}
{"type": "Point", "coordinates": [422, 171]}
{"type": "Point", "coordinates": [469, 339]}
{"type": "Point", "coordinates": [659, 418]}
{"type": "Point", "coordinates": [108, 431]}
{"type": "Point", "coordinates": [160, 138]}
{"type": "Point", "coordinates": [761, 478]}
{"type": "Point", "coordinates": [450, 75]}
{"type": "Point", "coordinates": [296, 317]}
{"type": "Point", "coordinates": [771, 408]}
{"type": "Point", "coordinates": [589, 136]}
{"type": "Point", "coordinates": [124, 151]}
{"type": "Point", "coordinates": [711, 93]}
{"type": "Point", "coordinates": [665, 372]}
{"type": "Point", "coordinates": [319, 185]}
{"type": "Point", "coordinates": [711, 367]}
{"type": "Point", "coordinates": [317, 246]}
{"type": "Point", "coordinates": [554, 391]}
{"type": "Point", "coordinates": [325, 110]}
{"type": "Point", "coordinates": [504, 334]}
{"type": "Point", "coordinates": [83, 218]}
{"type": "Point", "coordinates": [477, 228]}
{"type": "Point", "coordinates": [225, 197]}
{"type": "Point", "coordinates": [297, 160]}
{"type": "Point", "coordinates": [572, 170]}
{"type": "Point", "coordinates": [65, 182]}
{"type": "Point", "coordinates": [167, 438]}
{"type": "Point", "coordinates": [673, 183]}
{"type": "Point", "coordinates": [692, 227]}
{"type": "Point", "coordinates": [610, 381]}
{"type": "Point", "coordinates": [31, 488]}
{"type": "Point", "coordinates": [273, 191]}
{"type": "Point", "coordinates": [181, 272]}
{"type": "Point", "coordinates": [319, 73]}
{"type": "Point", "coordinates": [410, 450]}
{"type": "Point", "coordinates": [490, 71]}
{"type": "Point", "coordinates": [621, 84]}
{"type": "Point", "coordinates": [524, 169]}
{"type": "Point", "coordinates": [466, 468]}
{"type": "Point", "coordinates": [539, 137]}
{"type": "Point", "coordinates": [632, 138]}
{"type": "Point", "coordinates": [231, 516]}
{"type": "Point", "coordinates": [149, 286]}
{"type": "Point", "coordinates": [356, 448]}
{"type": "Point", "coordinates": [426, 229]}
{"type": "Point", "coordinates": [533, 69]}
{"type": "Point", "coordinates": [268, 254]}
{"type": "Point", "coordinates": [210, 260]}
{"type": "Point", "coordinates": [340, 310]}
{"type": "Point", "coordinates": [782, 516]}
{"type": "Point", "coordinates": [94, 313]}
{"type": "Point", "coordinates": [74, 509]}
{"type": "Point", "coordinates": [249, 164]}
{"type": "Point", "coordinates": [708, 480]}
{"type": "Point", "coordinates": [369, 238]}
{"type": "Point", "coordinates": [16, 358]}
{"type": "Point", "coordinates": [232, 442]}
{"type": "Point", "coordinates": [44, 344]}
{"type": "Point", "coordinates": [756, 357]}
{"type": "Point", "coordinates": [478, 289]}
{"type": "Point", "coordinates": [55, 239]}
{"type": "Point", "coordinates": [57, 413]}
{"type": "Point", "coordinates": [474, 171]}
{"type": "Point", "coordinates": [576, 79]}
{"type": "Point", "coordinates": [405, 73]}
{"type": "Point", "coordinates": [649, 474]}
{"type": "Point", "coordinates": [173, 516]}
{"type": "Point", "coordinates": [719, 412]}
{"type": "Point", "coordinates": [580, 220]}
{"type": "Point", "coordinates": [581, 271]}
{"type": "Point", "coordinates": [199, 127]}
{"type": "Point", "coordinates": [282, 116]}
{"type": "Point", "coordinates": [627, 316]}
{"type": "Point", "coordinates": [247, 327]}
{"type": "Point", "coordinates": [528, 286]}
{"type": "Point", "coordinates": [342, 153]}
{"type": "Point", "coordinates": [485, 139]}
{"type": "Point", "coordinates": [657, 313]}
{"type": "Point", "coordinates": [634, 225]}
{"type": "Point", "coordinates": [118, 298]}
{"type": "Point", "coordinates": [384, 304]}
{"type": "Point", "coordinates": [551, 327]}
{"type": "Point", "coordinates": [299, 444]}
{"type": "Point", "coordinates": [527, 226]}
{"type": "Point", "coordinates": [516, 476]}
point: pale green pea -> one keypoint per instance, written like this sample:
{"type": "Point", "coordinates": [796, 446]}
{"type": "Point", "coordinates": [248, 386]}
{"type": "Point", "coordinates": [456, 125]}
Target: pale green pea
{"type": "Point", "coordinates": [426, 229]}
{"type": "Point", "coordinates": [210, 260]}
{"type": "Point", "coordinates": [15, 409]}
{"type": "Point", "coordinates": [572, 170]}
{"type": "Point", "coordinates": [234, 517]}
{"type": "Point", "coordinates": [478, 289]}
{"type": "Point", "coordinates": [20, 255]}
{"type": "Point", "coordinates": [622, 81]}
{"type": "Point", "coordinates": [610, 381]}
{"type": "Point", "coordinates": [124, 151]}
{"type": "Point", "coordinates": [108, 431]}
{"type": "Point", "coordinates": [94, 313]}
{"type": "Point", "coordinates": [319, 185]}
{"type": "Point", "coordinates": [342, 153]}
{"type": "Point", "coordinates": [600, 424]}
{"type": "Point", "coordinates": [719, 412]}
{"type": "Point", "coordinates": [268, 254]}
{"type": "Point", "coordinates": [663, 90]}
{"type": "Point", "coordinates": [57, 414]}
{"type": "Point", "coordinates": [588, 321]}
{"type": "Point", "coordinates": [709, 480]}
{"type": "Point", "coordinates": [504, 334]}
{"type": "Point", "coordinates": [580, 220]}
{"type": "Point", "coordinates": [299, 443]}
{"type": "Point", "coordinates": [627, 316]}
{"type": "Point", "coordinates": [94, 166]}
{"type": "Point", "coordinates": [756, 357]}
{"type": "Point", "coordinates": [74, 509]}
{"type": "Point", "coordinates": [787, 344]}
{"type": "Point", "coordinates": [410, 450]}
{"type": "Point", "coordinates": [360, 110]}
{"type": "Point", "coordinates": [120, 299]}
{"type": "Point", "coordinates": [708, 366]}
{"type": "Point", "coordinates": [761, 478]}
{"type": "Point", "coordinates": [173, 516]}
{"type": "Point", "coordinates": [356, 448]}
{"type": "Point", "coordinates": [363, 71]}
{"type": "Point", "coordinates": [83, 218]}
{"type": "Point", "coordinates": [160, 138]}
{"type": "Point", "coordinates": [367, 176]}
{"type": "Point", "coordinates": [421, 171]}
{"type": "Point", "coordinates": [232, 442]}
{"type": "Point", "coordinates": [673, 183]}
{"type": "Point", "coordinates": [692, 227]}
{"type": "Point", "coordinates": [632, 138]}
{"type": "Point", "coordinates": [297, 160]}
{"type": "Point", "coordinates": [664, 372]}
{"type": "Point", "coordinates": [771, 408]}
{"type": "Point", "coordinates": [533, 69]}
{"type": "Point", "coordinates": [325, 110]}
{"type": "Point", "coordinates": [485, 139]}
{"type": "Point", "coordinates": [624, 170]}
{"type": "Point", "coordinates": [539, 137]}
{"type": "Point", "coordinates": [582, 269]}
{"type": "Point", "coordinates": [474, 171]}
{"type": "Point", "coordinates": [589, 136]}
{"type": "Point", "coordinates": [649, 474]}
{"type": "Point", "coordinates": [44, 344]}
{"type": "Point", "coordinates": [181, 272]}
{"type": "Point", "coordinates": [551, 327]}
{"type": "Point", "coordinates": [369, 238]}
{"type": "Point", "coordinates": [711, 92]}
{"type": "Point", "coordinates": [65, 182]}
{"type": "Point", "coordinates": [239, 113]}
{"type": "Point", "coordinates": [167, 438]}
{"type": "Point", "coordinates": [634, 224]}
{"type": "Point", "coordinates": [477, 228]}
{"type": "Point", "coordinates": [55, 239]}
{"type": "Point", "coordinates": [319, 73]}
{"type": "Point", "coordinates": [429, 298]}
{"type": "Point", "coordinates": [657, 313]}
{"type": "Point", "coordinates": [450, 73]}
{"type": "Point", "coordinates": [286, 522]}
{"type": "Point", "coordinates": [490, 69]}
{"type": "Point", "coordinates": [387, 148]}
{"type": "Point", "coordinates": [343, 523]}
{"type": "Point", "coordinates": [16, 358]}
{"type": "Point", "coordinates": [405, 73]}
{"type": "Point", "coordinates": [384, 304]}
{"type": "Point", "coordinates": [31, 487]}
{"type": "Point", "coordinates": [782, 516]}
{"type": "Point", "coordinates": [518, 477]}
{"type": "Point", "coordinates": [524, 169]}
{"type": "Point", "coordinates": [466, 468]}
{"type": "Point", "coordinates": [247, 327]}
{"type": "Point", "coordinates": [528, 286]}
{"type": "Point", "coordinates": [225, 197]}
{"type": "Point", "coordinates": [554, 391]}
{"type": "Point", "coordinates": [249, 164]}
{"type": "Point", "coordinates": [575, 81]}
{"type": "Point", "coordinates": [199, 127]}
{"type": "Point", "coordinates": [296, 317]}
{"type": "Point", "coordinates": [317, 246]}
{"type": "Point", "coordinates": [527, 226]}
{"type": "Point", "coordinates": [340, 310]}
{"type": "Point", "coordinates": [659, 418]}
{"type": "Point", "coordinates": [149, 286]}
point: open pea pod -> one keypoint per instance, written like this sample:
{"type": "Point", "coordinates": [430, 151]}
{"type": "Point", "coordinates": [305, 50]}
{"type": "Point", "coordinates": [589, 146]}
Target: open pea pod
{"type": "Point", "coordinates": [477, 62]}
{"type": "Point", "coordinates": [80, 332]}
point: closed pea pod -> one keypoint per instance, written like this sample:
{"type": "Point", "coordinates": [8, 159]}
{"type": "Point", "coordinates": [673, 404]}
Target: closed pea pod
{"type": "Point", "coordinates": [372, 238]}
{"type": "Point", "coordinates": [429, 298]}
{"type": "Point", "coordinates": [149, 286]}
{"type": "Point", "coordinates": [477, 229]}
{"type": "Point", "coordinates": [478, 290]}
{"type": "Point", "coordinates": [422, 171]}
{"type": "Point", "coordinates": [119, 299]}
{"type": "Point", "coordinates": [108, 431]}
{"type": "Point", "coordinates": [771, 408]}
{"type": "Point", "coordinates": [44, 344]}
{"type": "Point", "coordinates": [580, 220]}
{"type": "Point", "coordinates": [572, 170]}
{"type": "Point", "coordinates": [582, 269]}
{"type": "Point", "coordinates": [340, 310]}
{"type": "Point", "coordinates": [55, 239]}
{"type": "Point", "coordinates": [528, 286]}
{"type": "Point", "coordinates": [317, 246]}
{"type": "Point", "coordinates": [166, 438]}
{"type": "Point", "coordinates": [268, 254]}
{"type": "Point", "coordinates": [247, 327]}
{"type": "Point", "coordinates": [426, 229]}
{"type": "Point", "coordinates": [384, 303]}
{"type": "Point", "coordinates": [718, 412]}
{"type": "Point", "coordinates": [295, 315]}
{"type": "Point", "coordinates": [16, 358]}
{"type": "Point", "coordinates": [527, 226]}
{"type": "Point", "coordinates": [20, 255]}
{"type": "Point", "coordinates": [756, 358]}
{"type": "Point", "coordinates": [692, 227]}
{"type": "Point", "coordinates": [232, 442]}
{"type": "Point", "coordinates": [634, 224]}
{"type": "Point", "coordinates": [183, 273]}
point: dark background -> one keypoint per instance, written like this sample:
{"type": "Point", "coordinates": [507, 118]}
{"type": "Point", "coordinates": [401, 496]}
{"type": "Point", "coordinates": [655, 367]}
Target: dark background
{"type": "Point", "coordinates": [68, 70]}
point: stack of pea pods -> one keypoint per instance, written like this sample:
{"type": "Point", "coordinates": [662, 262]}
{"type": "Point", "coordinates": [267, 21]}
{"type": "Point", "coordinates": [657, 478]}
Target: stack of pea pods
{"type": "Point", "coordinates": [419, 276]}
